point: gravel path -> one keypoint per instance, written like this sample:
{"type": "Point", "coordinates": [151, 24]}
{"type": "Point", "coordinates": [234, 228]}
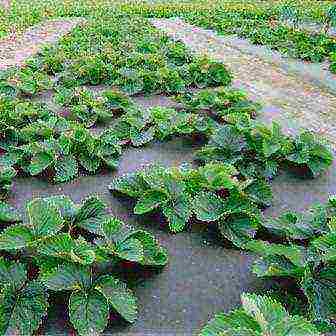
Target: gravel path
{"type": "Point", "coordinates": [14, 50]}
{"type": "Point", "coordinates": [287, 97]}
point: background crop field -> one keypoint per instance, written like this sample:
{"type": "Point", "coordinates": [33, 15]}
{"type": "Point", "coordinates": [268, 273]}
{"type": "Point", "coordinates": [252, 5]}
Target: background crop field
{"type": "Point", "coordinates": [20, 14]}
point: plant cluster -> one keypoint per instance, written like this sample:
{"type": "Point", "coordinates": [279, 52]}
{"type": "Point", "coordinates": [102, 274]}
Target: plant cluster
{"type": "Point", "coordinates": [60, 157]}
{"type": "Point", "coordinates": [311, 267]}
{"type": "Point", "coordinates": [138, 126]}
{"type": "Point", "coordinates": [25, 81]}
{"type": "Point", "coordinates": [305, 256]}
{"type": "Point", "coordinates": [37, 140]}
{"type": "Point", "coordinates": [212, 193]}
{"type": "Point", "coordinates": [219, 103]}
{"type": "Point", "coordinates": [69, 248]}
{"type": "Point", "coordinates": [89, 109]}
{"type": "Point", "coordinates": [256, 149]}
{"type": "Point", "coordinates": [259, 315]}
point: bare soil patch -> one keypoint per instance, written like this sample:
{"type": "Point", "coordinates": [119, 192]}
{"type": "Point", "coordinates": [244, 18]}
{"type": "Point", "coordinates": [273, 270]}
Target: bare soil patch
{"type": "Point", "coordinates": [15, 50]}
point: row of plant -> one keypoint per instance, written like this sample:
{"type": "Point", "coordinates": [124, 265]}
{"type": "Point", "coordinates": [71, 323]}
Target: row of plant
{"type": "Point", "coordinates": [274, 26]}
{"type": "Point", "coordinates": [36, 141]}
{"type": "Point", "coordinates": [22, 14]}
{"type": "Point", "coordinates": [274, 33]}
{"type": "Point", "coordinates": [74, 249]}
{"type": "Point", "coordinates": [122, 51]}
{"type": "Point", "coordinates": [228, 188]}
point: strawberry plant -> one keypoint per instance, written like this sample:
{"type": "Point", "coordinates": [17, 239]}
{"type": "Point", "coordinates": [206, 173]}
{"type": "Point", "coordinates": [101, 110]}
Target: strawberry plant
{"type": "Point", "coordinates": [26, 82]}
{"type": "Point", "coordinates": [7, 174]}
{"type": "Point", "coordinates": [311, 152]}
{"type": "Point", "coordinates": [65, 247]}
{"type": "Point", "coordinates": [295, 226]}
{"type": "Point", "coordinates": [18, 113]}
{"type": "Point", "coordinates": [8, 214]}
{"type": "Point", "coordinates": [140, 126]}
{"type": "Point", "coordinates": [61, 157]}
{"type": "Point", "coordinates": [311, 267]}
{"type": "Point", "coordinates": [41, 129]}
{"type": "Point", "coordinates": [257, 149]}
{"type": "Point", "coordinates": [259, 315]}
{"type": "Point", "coordinates": [210, 194]}
{"type": "Point", "coordinates": [89, 109]}
{"type": "Point", "coordinates": [219, 103]}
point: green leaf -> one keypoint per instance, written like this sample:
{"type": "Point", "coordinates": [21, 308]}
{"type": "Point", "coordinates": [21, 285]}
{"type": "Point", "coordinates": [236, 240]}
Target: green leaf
{"type": "Point", "coordinates": [276, 266]}
{"type": "Point", "coordinates": [130, 249]}
{"type": "Point", "coordinates": [67, 277]}
{"type": "Point", "coordinates": [65, 247]}
{"type": "Point", "coordinates": [15, 237]}
{"type": "Point", "coordinates": [91, 214]}
{"type": "Point", "coordinates": [273, 318]}
{"type": "Point", "coordinates": [89, 163]}
{"type": "Point", "coordinates": [8, 214]}
{"type": "Point", "coordinates": [153, 253]}
{"type": "Point", "coordinates": [44, 218]}
{"type": "Point", "coordinates": [21, 312]}
{"type": "Point", "coordinates": [156, 177]}
{"type": "Point", "coordinates": [272, 140]}
{"type": "Point", "coordinates": [233, 324]}
{"type": "Point", "coordinates": [131, 184]}
{"type": "Point", "coordinates": [219, 176]}
{"type": "Point", "coordinates": [64, 204]}
{"type": "Point", "coordinates": [264, 310]}
{"type": "Point", "coordinates": [325, 247]}
{"type": "Point", "coordinates": [88, 312]}
{"type": "Point", "coordinates": [118, 296]}
{"type": "Point", "coordinates": [312, 152]}
{"type": "Point", "coordinates": [239, 229]}
{"type": "Point", "coordinates": [12, 274]}
{"type": "Point", "coordinates": [178, 212]}
{"type": "Point", "coordinates": [40, 162]}
{"type": "Point", "coordinates": [208, 207]}
{"type": "Point", "coordinates": [150, 200]}
{"type": "Point", "coordinates": [290, 225]}
{"type": "Point", "coordinates": [140, 138]}
{"type": "Point", "coordinates": [228, 138]}
{"type": "Point", "coordinates": [66, 168]}
{"type": "Point", "coordinates": [260, 192]}
{"type": "Point", "coordinates": [320, 289]}
{"type": "Point", "coordinates": [295, 253]}
{"type": "Point", "coordinates": [112, 229]}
